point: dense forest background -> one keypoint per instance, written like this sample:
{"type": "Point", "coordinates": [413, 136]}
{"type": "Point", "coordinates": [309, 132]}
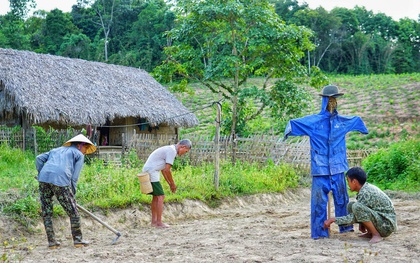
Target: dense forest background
{"type": "Point", "coordinates": [132, 33]}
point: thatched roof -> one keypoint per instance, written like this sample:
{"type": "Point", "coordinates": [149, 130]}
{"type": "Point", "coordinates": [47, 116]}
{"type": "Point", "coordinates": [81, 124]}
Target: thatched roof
{"type": "Point", "coordinates": [53, 89]}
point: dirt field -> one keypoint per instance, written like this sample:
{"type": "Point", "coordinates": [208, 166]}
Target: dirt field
{"type": "Point", "coordinates": [261, 228]}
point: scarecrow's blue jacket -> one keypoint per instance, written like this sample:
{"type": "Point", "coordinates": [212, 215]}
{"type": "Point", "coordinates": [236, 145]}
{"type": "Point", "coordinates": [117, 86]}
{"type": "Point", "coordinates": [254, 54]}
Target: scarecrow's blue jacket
{"type": "Point", "coordinates": [327, 134]}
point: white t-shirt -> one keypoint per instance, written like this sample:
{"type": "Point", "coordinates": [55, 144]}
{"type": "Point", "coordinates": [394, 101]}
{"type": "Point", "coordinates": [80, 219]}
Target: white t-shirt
{"type": "Point", "coordinates": [157, 161]}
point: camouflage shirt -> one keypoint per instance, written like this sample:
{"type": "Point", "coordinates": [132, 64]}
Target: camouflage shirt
{"type": "Point", "coordinates": [382, 212]}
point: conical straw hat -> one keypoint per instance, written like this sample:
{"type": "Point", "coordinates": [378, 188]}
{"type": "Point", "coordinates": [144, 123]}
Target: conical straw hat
{"type": "Point", "coordinates": [82, 138]}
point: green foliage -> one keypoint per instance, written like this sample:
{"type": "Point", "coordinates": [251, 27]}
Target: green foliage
{"type": "Point", "coordinates": [318, 78]}
{"type": "Point", "coordinates": [112, 187]}
{"type": "Point", "coordinates": [221, 46]}
{"type": "Point", "coordinates": [147, 33]}
{"type": "Point", "coordinates": [108, 186]}
{"type": "Point", "coordinates": [75, 46]}
{"type": "Point", "coordinates": [17, 168]}
{"type": "Point", "coordinates": [357, 41]}
{"type": "Point", "coordinates": [57, 27]}
{"type": "Point", "coordinates": [396, 167]}
{"type": "Point", "coordinates": [288, 100]}
{"type": "Point", "coordinates": [20, 8]}
{"type": "Point", "coordinates": [23, 208]}
{"type": "Point", "coordinates": [12, 33]}
{"type": "Point", "coordinates": [51, 138]}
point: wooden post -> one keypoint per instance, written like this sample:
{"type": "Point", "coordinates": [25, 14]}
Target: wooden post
{"type": "Point", "coordinates": [329, 209]}
{"type": "Point", "coordinates": [217, 147]}
{"type": "Point", "coordinates": [24, 139]}
{"type": "Point", "coordinates": [123, 143]}
{"type": "Point", "coordinates": [35, 143]}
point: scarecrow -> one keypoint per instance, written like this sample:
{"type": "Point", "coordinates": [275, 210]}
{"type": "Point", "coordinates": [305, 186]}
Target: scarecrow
{"type": "Point", "coordinates": [327, 131]}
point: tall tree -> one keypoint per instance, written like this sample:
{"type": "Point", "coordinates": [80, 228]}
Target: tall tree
{"type": "Point", "coordinates": [407, 55]}
{"type": "Point", "coordinates": [21, 8]}
{"type": "Point", "coordinates": [221, 43]}
{"type": "Point", "coordinates": [350, 47]}
{"type": "Point", "coordinates": [147, 36]}
{"type": "Point", "coordinates": [12, 33]}
{"type": "Point", "coordinates": [104, 10]}
{"type": "Point", "coordinates": [327, 34]}
{"type": "Point", "coordinates": [12, 25]}
{"type": "Point", "coordinates": [57, 25]}
{"type": "Point", "coordinates": [381, 30]}
{"type": "Point", "coordinates": [75, 46]}
{"type": "Point", "coordinates": [287, 8]}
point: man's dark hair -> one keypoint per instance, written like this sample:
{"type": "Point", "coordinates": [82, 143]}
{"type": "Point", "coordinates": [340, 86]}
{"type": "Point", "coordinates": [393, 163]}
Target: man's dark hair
{"type": "Point", "coordinates": [357, 173]}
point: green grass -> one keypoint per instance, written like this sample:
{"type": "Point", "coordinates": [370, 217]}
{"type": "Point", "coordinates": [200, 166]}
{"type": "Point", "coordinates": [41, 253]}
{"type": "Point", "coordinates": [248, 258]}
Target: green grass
{"type": "Point", "coordinates": [16, 167]}
{"type": "Point", "coordinates": [108, 187]}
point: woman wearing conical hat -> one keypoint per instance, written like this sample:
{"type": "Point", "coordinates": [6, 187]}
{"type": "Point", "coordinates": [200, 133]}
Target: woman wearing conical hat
{"type": "Point", "coordinates": [58, 173]}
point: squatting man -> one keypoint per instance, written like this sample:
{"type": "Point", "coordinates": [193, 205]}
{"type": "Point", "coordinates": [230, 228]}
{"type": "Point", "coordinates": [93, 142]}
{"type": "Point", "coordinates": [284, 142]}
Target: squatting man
{"type": "Point", "coordinates": [373, 210]}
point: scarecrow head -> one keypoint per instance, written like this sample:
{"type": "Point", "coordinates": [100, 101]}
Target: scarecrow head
{"type": "Point", "coordinates": [332, 93]}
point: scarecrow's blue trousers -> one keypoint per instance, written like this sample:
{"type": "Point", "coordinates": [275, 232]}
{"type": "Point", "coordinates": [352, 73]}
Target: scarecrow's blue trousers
{"type": "Point", "coordinates": [321, 186]}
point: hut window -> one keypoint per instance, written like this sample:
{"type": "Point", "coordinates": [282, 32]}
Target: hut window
{"type": "Point", "coordinates": [143, 125]}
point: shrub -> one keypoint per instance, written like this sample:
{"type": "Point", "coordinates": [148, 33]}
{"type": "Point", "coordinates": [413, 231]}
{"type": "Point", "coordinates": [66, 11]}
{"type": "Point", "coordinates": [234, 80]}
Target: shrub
{"type": "Point", "coordinates": [396, 167]}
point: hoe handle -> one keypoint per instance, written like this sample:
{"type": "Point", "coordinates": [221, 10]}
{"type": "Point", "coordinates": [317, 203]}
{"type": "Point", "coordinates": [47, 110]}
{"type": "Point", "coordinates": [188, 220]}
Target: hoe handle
{"type": "Point", "coordinates": [99, 220]}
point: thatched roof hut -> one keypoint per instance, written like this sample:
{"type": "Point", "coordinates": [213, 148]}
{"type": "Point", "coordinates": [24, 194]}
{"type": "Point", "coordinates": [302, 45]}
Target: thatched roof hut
{"type": "Point", "coordinates": [47, 89]}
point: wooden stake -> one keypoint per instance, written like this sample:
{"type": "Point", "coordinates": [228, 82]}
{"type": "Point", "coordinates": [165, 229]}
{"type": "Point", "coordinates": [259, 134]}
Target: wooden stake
{"type": "Point", "coordinates": [329, 209]}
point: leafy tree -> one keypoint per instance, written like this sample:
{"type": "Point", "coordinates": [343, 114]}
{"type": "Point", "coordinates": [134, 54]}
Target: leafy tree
{"type": "Point", "coordinates": [83, 17]}
{"type": "Point", "coordinates": [407, 57]}
{"type": "Point", "coordinates": [381, 30]}
{"type": "Point", "coordinates": [21, 8]}
{"type": "Point", "coordinates": [104, 10]}
{"type": "Point", "coordinates": [287, 8]}
{"type": "Point", "coordinates": [57, 25]}
{"type": "Point", "coordinates": [34, 26]}
{"type": "Point", "coordinates": [147, 33]}
{"type": "Point", "coordinates": [12, 25]}
{"type": "Point", "coordinates": [12, 32]}
{"type": "Point", "coordinates": [75, 46]}
{"type": "Point", "coordinates": [222, 43]}
{"type": "Point", "coordinates": [327, 35]}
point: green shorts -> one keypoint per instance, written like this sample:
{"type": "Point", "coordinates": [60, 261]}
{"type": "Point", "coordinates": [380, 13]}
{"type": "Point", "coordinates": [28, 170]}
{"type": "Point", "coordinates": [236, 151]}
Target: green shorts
{"type": "Point", "coordinates": [157, 189]}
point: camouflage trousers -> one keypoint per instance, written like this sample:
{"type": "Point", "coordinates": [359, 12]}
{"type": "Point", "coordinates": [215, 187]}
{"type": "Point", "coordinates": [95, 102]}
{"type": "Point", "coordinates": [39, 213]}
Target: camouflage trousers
{"type": "Point", "coordinates": [363, 213]}
{"type": "Point", "coordinates": [66, 199]}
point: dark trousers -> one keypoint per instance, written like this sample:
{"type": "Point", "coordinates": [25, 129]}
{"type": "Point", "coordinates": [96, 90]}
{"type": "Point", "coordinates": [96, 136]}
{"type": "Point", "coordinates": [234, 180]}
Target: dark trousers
{"type": "Point", "coordinates": [66, 199]}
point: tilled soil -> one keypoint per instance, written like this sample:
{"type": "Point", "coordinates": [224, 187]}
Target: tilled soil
{"type": "Point", "coordinates": [259, 228]}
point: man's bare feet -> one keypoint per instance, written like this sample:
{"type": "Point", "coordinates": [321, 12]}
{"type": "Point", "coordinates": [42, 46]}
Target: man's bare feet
{"type": "Point", "coordinates": [366, 235]}
{"type": "Point", "coordinates": [376, 239]}
{"type": "Point", "coordinates": [160, 225]}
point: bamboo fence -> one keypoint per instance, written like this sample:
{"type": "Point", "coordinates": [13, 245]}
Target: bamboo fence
{"type": "Point", "coordinates": [257, 148]}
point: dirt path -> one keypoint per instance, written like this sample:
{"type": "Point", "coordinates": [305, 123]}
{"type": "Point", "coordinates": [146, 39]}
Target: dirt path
{"type": "Point", "coordinates": [262, 228]}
